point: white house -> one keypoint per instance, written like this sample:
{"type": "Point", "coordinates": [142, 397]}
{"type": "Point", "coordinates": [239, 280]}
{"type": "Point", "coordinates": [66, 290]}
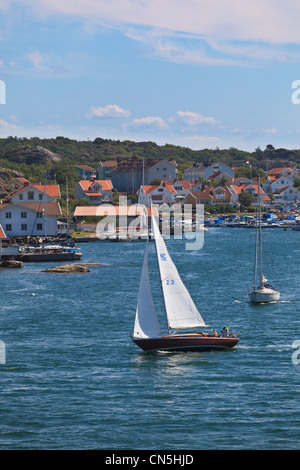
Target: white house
{"type": "Point", "coordinates": [33, 210]}
{"type": "Point", "coordinates": [35, 192]}
{"type": "Point", "coordinates": [158, 194]}
{"type": "Point", "coordinates": [30, 218]}
{"type": "Point", "coordinates": [166, 192]}
{"type": "Point", "coordinates": [95, 191]}
{"type": "Point", "coordinates": [275, 182]}
{"type": "Point", "coordinates": [182, 187]}
{"type": "Point", "coordinates": [286, 194]}
{"type": "Point", "coordinates": [236, 190]}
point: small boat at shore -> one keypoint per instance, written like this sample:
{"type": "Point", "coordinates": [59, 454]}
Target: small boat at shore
{"type": "Point", "coordinates": [180, 310]}
{"type": "Point", "coordinates": [65, 250]}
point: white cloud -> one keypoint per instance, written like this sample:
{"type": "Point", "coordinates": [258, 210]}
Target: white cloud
{"type": "Point", "coordinates": [111, 110]}
{"type": "Point", "coordinates": [194, 119]}
{"type": "Point", "coordinates": [38, 60]}
{"type": "Point", "coordinates": [150, 121]}
{"type": "Point", "coordinates": [272, 130]}
{"type": "Point", "coordinates": [214, 33]}
{"type": "Point", "coordinates": [270, 21]}
{"type": "Point", "coordinates": [6, 125]}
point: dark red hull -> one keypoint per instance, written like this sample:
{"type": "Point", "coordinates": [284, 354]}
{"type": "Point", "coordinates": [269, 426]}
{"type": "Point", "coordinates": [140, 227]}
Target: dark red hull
{"type": "Point", "coordinates": [186, 343]}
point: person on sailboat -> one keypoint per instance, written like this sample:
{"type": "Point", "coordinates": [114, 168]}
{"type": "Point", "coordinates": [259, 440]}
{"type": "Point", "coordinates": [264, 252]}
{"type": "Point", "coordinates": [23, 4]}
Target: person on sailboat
{"type": "Point", "coordinates": [225, 331]}
{"type": "Point", "coordinates": [269, 286]}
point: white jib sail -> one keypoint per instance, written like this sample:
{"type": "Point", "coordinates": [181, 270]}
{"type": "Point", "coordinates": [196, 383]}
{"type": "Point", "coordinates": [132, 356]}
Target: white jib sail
{"type": "Point", "coordinates": [181, 311]}
{"type": "Point", "coordinates": [146, 324]}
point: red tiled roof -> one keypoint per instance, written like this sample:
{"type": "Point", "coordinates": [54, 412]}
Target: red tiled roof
{"type": "Point", "coordinates": [52, 190]}
{"type": "Point", "coordinates": [109, 164]}
{"type": "Point", "coordinates": [241, 187]}
{"type": "Point", "coordinates": [224, 188]}
{"type": "Point", "coordinates": [87, 184]}
{"type": "Point", "coordinates": [281, 189]}
{"type": "Point", "coordinates": [215, 175]}
{"type": "Point", "coordinates": [203, 194]}
{"type": "Point", "coordinates": [52, 208]}
{"type": "Point", "coordinates": [186, 184]}
{"type": "Point", "coordinates": [150, 188]}
{"type": "Point", "coordinates": [275, 171]}
{"type": "Point", "coordinates": [21, 179]}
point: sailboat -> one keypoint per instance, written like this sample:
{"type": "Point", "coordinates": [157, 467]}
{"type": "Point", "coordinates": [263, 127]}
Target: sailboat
{"type": "Point", "coordinates": [180, 310]}
{"type": "Point", "coordinates": [265, 292]}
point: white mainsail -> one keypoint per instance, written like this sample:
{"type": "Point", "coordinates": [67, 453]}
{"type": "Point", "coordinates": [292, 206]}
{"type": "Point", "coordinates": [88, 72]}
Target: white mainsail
{"type": "Point", "coordinates": [146, 324]}
{"type": "Point", "coordinates": [181, 311]}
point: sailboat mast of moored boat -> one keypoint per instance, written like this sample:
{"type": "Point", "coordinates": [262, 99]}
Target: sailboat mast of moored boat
{"type": "Point", "coordinates": [265, 292]}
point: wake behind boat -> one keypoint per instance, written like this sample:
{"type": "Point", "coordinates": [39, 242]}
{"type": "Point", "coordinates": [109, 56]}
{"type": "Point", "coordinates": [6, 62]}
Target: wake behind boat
{"type": "Point", "coordinates": [180, 310]}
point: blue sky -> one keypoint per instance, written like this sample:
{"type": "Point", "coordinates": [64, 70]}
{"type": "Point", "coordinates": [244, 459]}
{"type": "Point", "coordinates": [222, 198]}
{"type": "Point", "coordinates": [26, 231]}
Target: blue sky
{"type": "Point", "coordinates": [194, 73]}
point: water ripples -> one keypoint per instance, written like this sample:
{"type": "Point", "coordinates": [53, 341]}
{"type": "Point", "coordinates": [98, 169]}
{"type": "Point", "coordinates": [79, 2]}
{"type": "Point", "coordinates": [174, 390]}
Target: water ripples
{"type": "Point", "coordinates": [75, 380]}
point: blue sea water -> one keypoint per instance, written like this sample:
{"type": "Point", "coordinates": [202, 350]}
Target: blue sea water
{"type": "Point", "coordinates": [73, 378]}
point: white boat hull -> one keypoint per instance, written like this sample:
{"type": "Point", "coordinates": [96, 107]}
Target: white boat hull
{"type": "Point", "coordinates": [262, 296]}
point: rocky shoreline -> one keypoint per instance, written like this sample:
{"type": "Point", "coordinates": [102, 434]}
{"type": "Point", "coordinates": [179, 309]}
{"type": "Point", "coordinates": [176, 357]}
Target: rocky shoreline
{"type": "Point", "coordinates": [67, 268]}
{"type": "Point", "coordinates": [10, 263]}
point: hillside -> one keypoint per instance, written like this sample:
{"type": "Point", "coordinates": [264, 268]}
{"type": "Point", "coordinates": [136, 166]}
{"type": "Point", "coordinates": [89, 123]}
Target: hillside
{"type": "Point", "coordinates": [23, 150]}
{"type": "Point", "coordinates": [7, 182]}
{"type": "Point", "coordinates": [31, 155]}
{"type": "Point", "coordinates": [58, 156]}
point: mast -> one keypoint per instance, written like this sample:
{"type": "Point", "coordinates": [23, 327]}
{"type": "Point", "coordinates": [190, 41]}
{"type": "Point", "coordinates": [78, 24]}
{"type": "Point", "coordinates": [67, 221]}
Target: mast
{"type": "Point", "coordinates": [259, 226]}
{"type": "Point", "coordinates": [256, 240]}
{"type": "Point", "coordinates": [45, 205]}
{"type": "Point", "coordinates": [143, 175]}
{"type": "Point", "coordinates": [67, 206]}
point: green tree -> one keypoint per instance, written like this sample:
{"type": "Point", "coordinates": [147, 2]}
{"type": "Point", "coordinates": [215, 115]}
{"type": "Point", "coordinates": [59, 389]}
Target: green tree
{"type": "Point", "coordinates": [245, 199]}
{"type": "Point", "coordinates": [297, 182]}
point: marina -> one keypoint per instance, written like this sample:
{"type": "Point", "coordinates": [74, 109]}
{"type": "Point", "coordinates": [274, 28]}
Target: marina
{"type": "Point", "coordinates": [72, 366]}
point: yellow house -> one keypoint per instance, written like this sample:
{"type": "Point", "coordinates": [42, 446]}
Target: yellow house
{"type": "Point", "coordinates": [221, 195]}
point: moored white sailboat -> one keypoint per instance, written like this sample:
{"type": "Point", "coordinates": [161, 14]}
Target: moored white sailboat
{"type": "Point", "coordinates": [180, 310]}
{"type": "Point", "coordinates": [265, 292]}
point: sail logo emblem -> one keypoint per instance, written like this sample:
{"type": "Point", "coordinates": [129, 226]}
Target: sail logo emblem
{"type": "Point", "coordinates": [163, 257]}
